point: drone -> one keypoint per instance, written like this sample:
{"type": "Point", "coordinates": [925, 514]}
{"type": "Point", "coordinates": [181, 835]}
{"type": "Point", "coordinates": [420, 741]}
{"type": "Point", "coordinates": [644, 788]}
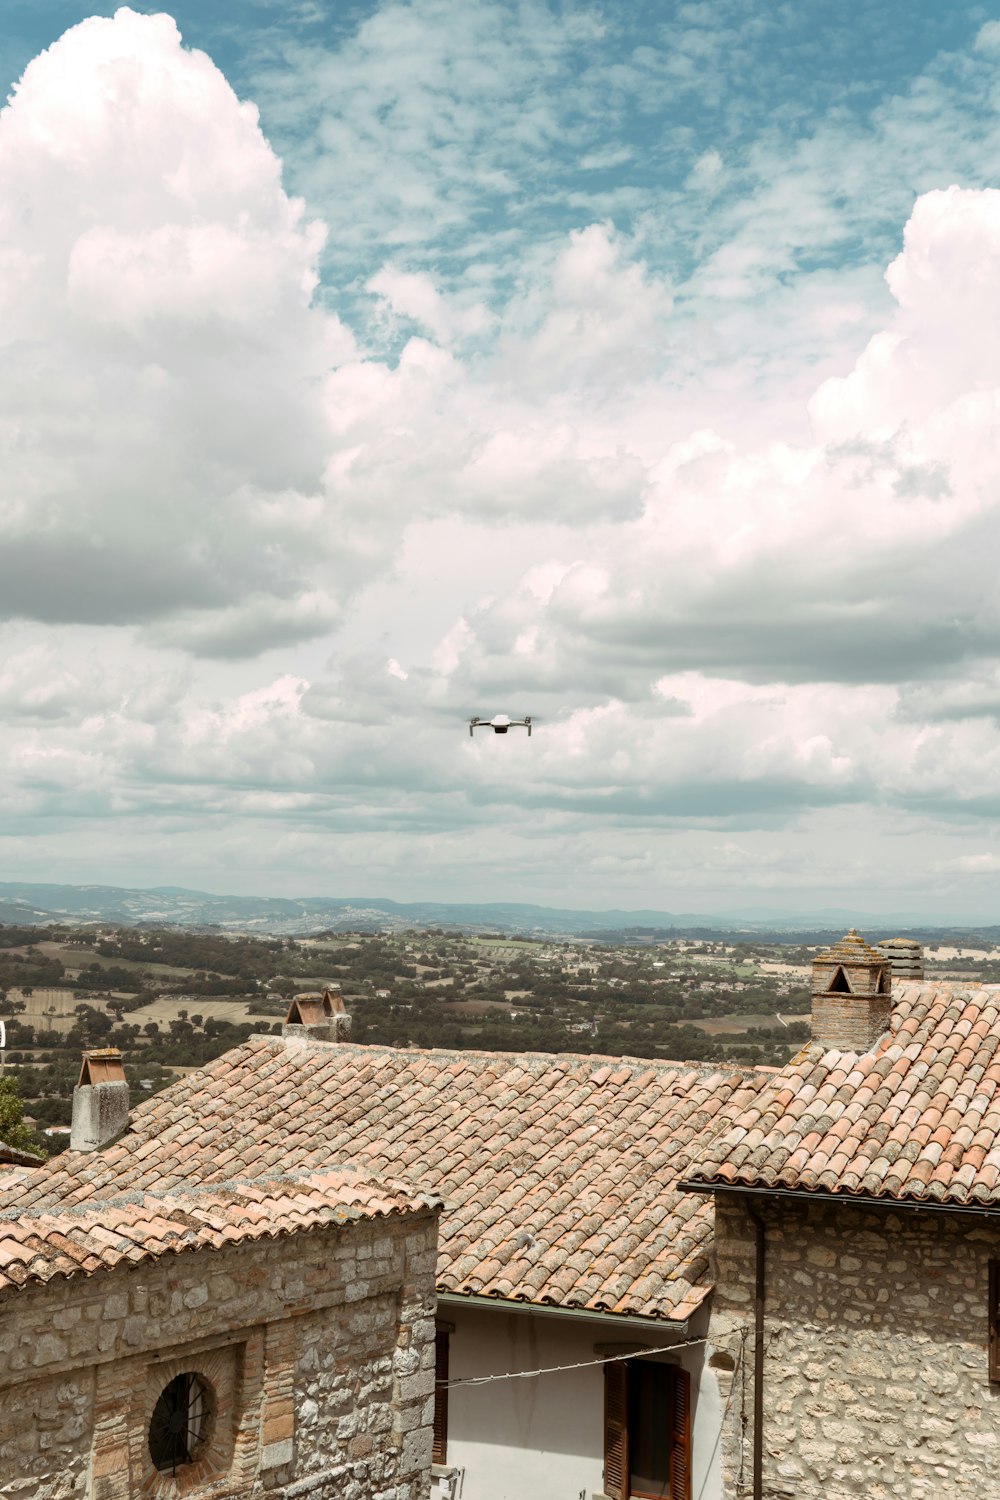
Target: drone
{"type": "Point", "coordinates": [500, 723]}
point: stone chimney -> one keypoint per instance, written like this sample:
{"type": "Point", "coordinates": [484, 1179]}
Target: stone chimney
{"type": "Point", "coordinates": [851, 995]}
{"type": "Point", "coordinates": [320, 1016]}
{"type": "Point", "coordinates": [906, 957]}
{"type": "Point", "coordinates": [100, 1100]}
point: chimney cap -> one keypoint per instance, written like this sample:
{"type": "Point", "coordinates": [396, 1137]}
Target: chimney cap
{"type": "Point", "coordinates": [851, 949]}
{"type": "Point", "coordinates": [101, 1065]}
{"type": "Point", "coordinates": [313, 1007]}
{"type": "Point", "coordinates": [306, 1010]}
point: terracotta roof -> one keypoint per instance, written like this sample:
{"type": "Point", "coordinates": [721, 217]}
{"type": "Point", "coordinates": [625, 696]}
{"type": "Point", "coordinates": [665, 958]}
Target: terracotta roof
{"type": "Point", "coordinates": [51, 1237]}
{"type": "Point", "coordinates": [10, 1156]}
{"type": "Point", "coordinates": [916, 1118]}
{"type": "Point", "coordinates": [559, 1173]}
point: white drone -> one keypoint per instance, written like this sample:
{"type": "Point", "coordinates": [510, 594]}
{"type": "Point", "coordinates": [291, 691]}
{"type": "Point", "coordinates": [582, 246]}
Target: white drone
{"type": "Point", "coordinates": [500, 723]}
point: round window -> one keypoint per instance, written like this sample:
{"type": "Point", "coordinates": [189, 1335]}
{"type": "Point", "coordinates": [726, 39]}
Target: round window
{"type": "Point", "coordinates": [179, 1422]}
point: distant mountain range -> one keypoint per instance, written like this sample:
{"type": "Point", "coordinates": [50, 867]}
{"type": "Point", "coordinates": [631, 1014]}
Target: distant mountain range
{"type": "Point", "coordinates": [32, 905]}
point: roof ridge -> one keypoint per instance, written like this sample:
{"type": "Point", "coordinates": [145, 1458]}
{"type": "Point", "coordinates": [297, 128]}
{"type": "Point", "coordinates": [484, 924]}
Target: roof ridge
{"type": "Point", "coordinates": [312, 1046]}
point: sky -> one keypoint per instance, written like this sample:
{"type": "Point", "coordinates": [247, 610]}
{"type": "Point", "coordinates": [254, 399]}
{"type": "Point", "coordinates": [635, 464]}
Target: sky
{"type": "Point", "coordinates": [368, 366]}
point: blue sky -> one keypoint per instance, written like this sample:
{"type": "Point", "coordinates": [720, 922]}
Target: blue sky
{"type": "Point", "coordinates": [623, 365]}
{"type": "Point", "coordinates": [512, 123]}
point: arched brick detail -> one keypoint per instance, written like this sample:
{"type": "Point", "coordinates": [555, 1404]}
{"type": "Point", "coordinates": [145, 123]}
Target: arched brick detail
{"type": "Point", "coordinates": [221, 1371]}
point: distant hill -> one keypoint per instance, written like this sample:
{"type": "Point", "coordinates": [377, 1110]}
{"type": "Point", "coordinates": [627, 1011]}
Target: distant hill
{"type": "Point", "coordinates": [30, 904]}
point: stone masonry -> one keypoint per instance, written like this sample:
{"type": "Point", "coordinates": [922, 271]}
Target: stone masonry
{"type": "Point", "coordinates": [876, 1378]}
{"type": "Point", "coordinates": [318, 1348]}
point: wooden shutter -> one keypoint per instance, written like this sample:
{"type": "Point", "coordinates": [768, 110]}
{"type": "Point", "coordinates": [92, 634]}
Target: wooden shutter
{"type": "Point", "coordinates": [616, 1430]}
{"type": "Point", "coordinates": [440, 1451]}
{"type": "Point", "coordinates": [680, 1435]}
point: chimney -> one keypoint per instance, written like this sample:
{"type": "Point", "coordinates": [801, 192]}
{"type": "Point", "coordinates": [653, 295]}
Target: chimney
{"type": "Point", "coordinates": [851, 995]}
{"type": "Point", "coordinates": [100, 1100]}
{"type": "Point", "coordinates": [906, 957]}
{"type": "Point", "coordinates": [320, 1017]}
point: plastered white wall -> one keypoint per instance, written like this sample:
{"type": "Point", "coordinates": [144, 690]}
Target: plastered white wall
{"type": "Point", "coordinates": [542, 1439]}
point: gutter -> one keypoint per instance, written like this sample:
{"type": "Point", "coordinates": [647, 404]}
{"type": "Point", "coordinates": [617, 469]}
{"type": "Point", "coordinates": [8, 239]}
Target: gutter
{"type": "Point", "coordinates": [606, 1320]}
{"type": "Point", "coordinates": [856, 1200]}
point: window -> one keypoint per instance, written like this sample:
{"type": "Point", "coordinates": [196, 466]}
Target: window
{"type": "Point", "coordinates": [995, 1319]}
{"type": "Point", "coordinates": [647, 1431]}
{"type": "Point", "coordinates": [440, 1451]}
{"type": "Point", "coordinates": [179, 1422]}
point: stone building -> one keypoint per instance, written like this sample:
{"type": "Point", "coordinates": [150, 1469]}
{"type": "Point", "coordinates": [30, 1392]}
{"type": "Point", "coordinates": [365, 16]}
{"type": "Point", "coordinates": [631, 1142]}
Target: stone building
{"type": "Point", "coordinates": [565, 1247]}
{"type": "Point", "coordinates": [856, 1317]}
{"type": "Point", "coordinates": [269, 1332]}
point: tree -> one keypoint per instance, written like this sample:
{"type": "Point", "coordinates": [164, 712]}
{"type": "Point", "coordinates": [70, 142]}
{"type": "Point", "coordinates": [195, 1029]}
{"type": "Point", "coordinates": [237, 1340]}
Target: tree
{"type": "Point", "coordinates": [13, 1131]}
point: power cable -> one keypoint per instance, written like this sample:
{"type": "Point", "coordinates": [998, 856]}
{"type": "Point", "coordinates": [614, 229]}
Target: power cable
{"type": "Point", "coordinates": [585, 1364]}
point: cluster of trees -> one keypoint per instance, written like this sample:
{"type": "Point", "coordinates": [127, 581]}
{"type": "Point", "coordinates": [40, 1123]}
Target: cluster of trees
{"type": "Point", "coordinates": [615, 1002]}
{"type": "Point", "coordinates": [26, 970]}
{"type": "Point", "coordinates": [152, 1052]}
{"type": "Point", "coordinates": [26, 937]}
{"type": "Point", "coordinates": [539, 1026]}
{"type": "Point", "coordinates": [246, 958]}
{"type": "Point", "coordinates": [109, 977]}
{"type": "Point", "coordinates": [13, 1131]}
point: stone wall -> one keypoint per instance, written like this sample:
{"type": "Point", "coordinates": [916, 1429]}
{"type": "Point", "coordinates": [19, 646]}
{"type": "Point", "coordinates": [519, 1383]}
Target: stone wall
{"type": "Point", "coordinates": [876, 1377]}
{"type": "Point", "coordinates": [318, 1347]}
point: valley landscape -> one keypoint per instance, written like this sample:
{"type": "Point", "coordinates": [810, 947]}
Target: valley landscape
{"type": "Point", "coordinates": [172, 998]}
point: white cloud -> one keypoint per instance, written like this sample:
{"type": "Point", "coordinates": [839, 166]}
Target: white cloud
{"type": "Point", "coordinates": [976, 864]}
{"type": "Point", "coordinates": [413, 296]}
{"type": "Point", "coordinates": [946, 281]}
{"type": "Point", "coordinates": [597, 316]}
{"type": "Point", "coordinates": [426, 113]}
{"type": "Point", "coordinates": [864, 557]}
{"type": "Point", "coordinates": [708, 173]}
{"type": "Point", "coordinates": [519, 433]}
{"type": "Point", "coordinates": [160, 360]}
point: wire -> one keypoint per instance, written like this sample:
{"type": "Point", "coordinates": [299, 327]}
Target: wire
{"type": "Point", "coordinates": [586, 1364]}
{"type": "Point", "coordinates": [807, 1489]}
{"type": "Point", "coordinates": [709, 1476]}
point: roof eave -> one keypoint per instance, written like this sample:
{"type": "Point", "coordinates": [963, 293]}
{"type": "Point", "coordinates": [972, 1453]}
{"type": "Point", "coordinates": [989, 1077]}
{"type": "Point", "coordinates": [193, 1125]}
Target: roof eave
{"type": "Point", "coordinates": [547, 1309]}
{"type": "Point", "coordinates": [851, 1200]}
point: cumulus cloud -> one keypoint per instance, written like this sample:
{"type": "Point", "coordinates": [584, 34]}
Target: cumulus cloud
{"type": "Point", "coordinates": [160, 359]}
{"type": "Point", "coordinates": [864, 557]}
{"type": "Point", "coordinates": [513, 429]}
